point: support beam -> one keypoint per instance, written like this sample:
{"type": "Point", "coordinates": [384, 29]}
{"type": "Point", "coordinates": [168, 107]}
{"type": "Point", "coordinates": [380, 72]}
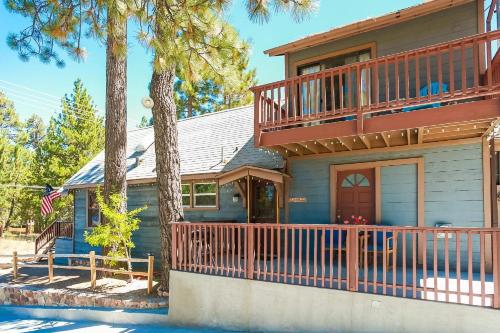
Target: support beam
{"type": "Point", "coordinates": [386, 138]}
{"type": "Point", "coordinates": [365, 141]}
{"type": "Point", "coordinates": [309, 146]}
{"type": "Point", "coordinates": [327, 145]}
{"type": "Point", "coordinates": [420, 139]}
{"type": "Point", "coordinates": [345, 143]}
{"type": "Point", "coordinates": [294, 148]}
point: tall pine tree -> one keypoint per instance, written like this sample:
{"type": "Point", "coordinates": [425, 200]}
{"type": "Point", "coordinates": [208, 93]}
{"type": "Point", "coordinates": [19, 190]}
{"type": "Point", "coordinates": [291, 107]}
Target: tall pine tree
{"type": "Point", "coordinates": [74, 136]}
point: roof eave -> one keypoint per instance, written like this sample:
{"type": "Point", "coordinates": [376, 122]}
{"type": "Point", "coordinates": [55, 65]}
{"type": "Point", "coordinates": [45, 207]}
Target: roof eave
{"type": "Point", "coordinates": [355, 28]}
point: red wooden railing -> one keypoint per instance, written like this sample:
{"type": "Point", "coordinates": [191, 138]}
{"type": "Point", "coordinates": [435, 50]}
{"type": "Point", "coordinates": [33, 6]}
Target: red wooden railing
{"type": "Point", "coordinates": [54, 230]}
{"type": "Point", "coordinates": [458, 265]}
{"type": "Point", "coordinates": [449, 71]}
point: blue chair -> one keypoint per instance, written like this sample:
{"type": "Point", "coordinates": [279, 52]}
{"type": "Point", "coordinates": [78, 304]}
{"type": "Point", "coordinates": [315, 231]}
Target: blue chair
{"type": "Point", "coordinates": [424, 91]}
{"type": "Point", "coordinates": [336, 239]}
{"type": "Point", "coordinates": [378, 248]}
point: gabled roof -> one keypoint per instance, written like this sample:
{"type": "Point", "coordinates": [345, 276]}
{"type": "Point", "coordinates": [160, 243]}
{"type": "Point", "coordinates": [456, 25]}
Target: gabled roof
{"type": "Point", "coordinates": [358, 27]}
{"type": "Point", "coordinates": [209, 144]}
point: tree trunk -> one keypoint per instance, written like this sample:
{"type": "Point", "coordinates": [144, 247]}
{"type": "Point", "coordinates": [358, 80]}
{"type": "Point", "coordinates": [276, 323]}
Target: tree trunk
{"type": "Point", "coordinates": [115, 149]}
{"type": "Point", "coordinates": [167, 163]}
{"type": "Point", "coordinates": [190, 106]}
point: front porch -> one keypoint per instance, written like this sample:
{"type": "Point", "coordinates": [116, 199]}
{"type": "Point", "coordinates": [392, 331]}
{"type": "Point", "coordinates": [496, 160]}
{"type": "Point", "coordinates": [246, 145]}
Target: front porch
{"type": "Point", "coordinates": [437, 264]}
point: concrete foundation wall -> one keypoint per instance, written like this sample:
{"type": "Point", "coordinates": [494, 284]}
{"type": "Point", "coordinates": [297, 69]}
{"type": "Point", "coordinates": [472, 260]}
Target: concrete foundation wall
{"type": "Point", "coordinates": [200, 300]}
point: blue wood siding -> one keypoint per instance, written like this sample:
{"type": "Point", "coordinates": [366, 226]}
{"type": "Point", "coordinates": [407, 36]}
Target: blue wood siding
{"type": "Point", "coordinates": [80, 202]}
{"type": "Point", "coordinates": [64, 246]}
{"type": "Point", "coordinates": [147, 238]}
{"type": "Point", "coordinates": [453, 186]}
{"type": "Point", "coordinates": [399, 195]}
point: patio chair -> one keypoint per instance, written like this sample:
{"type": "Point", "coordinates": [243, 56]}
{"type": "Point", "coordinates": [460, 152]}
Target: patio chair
{"type": "Point", "coordinates": [338, 236]}
{"type": "Point", "coordinates": [424, 91]}
{"type": "Point", "coordinates": [367, 242]}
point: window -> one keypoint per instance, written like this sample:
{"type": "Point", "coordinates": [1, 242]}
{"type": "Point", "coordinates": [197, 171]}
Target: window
{"type": "Point", "coordinates": [205, 194]}
{"type": "Point", "coordinates": [186, 195]}
{"type": "Point", "coordinates": [93, 212]}
{"type": "Point", "coordinates": [355, 179]}
{"type": "Point", "coordinates": [199, 194]}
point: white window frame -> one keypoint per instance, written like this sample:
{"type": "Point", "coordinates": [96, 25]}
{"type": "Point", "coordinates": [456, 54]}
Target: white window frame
{"type": "Point", "coordinates": [190, 195]}
{"type": "Point", "coordinates": [204, 194]}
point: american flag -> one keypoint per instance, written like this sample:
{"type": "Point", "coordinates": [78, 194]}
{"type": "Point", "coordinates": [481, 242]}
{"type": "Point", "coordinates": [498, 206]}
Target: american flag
{"type": "Point", "coordinates": [48, 196]}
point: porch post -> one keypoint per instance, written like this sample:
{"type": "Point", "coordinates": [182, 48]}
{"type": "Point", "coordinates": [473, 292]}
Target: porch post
{"type": "Point", "coordinates": [248, 198]}
{"type": "Point", "coordinates": [496, 269]}
{"type": "Point", "coordinates": [250, 251]}
{"type": "Point", "coordinates": [352, 259]}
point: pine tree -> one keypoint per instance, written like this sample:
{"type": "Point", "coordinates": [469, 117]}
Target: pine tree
{"type": "Point", "coordinates": [74, 136]}
{"type": "Point", "coordinates": [16, 157]}
{"type": "Point", "coordinates": [190, 38]}
{"type": "Point", "coordinates": [65, 24]}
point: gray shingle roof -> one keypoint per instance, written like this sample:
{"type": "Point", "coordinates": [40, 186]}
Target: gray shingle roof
{"type": "Point", "coordinates": [204, 141]}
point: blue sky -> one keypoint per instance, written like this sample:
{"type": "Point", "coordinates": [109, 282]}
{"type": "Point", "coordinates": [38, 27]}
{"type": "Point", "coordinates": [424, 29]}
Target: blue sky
{"type": "Point", "coordinates": [49, 83]}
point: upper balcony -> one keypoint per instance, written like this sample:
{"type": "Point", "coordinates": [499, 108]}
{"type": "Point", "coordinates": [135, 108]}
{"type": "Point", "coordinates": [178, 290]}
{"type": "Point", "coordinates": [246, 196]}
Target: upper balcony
{"type": "Point", "coordinates": [441, 92]}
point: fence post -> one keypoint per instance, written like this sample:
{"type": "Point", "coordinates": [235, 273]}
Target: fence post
{"type": "Point", "coordinates": [14, 264]}
{"type": "Point", "coordinates": [496, 269]}
{"type": "Point", "coordinates": [93, 274]}
{"type": "Point", "coordinates": [352, 258]}
{"type": "Point", "coordinates": [50, 263]}
{"type": "Point", "coordinates": [151, 260]}
{"type": "Point", "coordinates": [250, 251]}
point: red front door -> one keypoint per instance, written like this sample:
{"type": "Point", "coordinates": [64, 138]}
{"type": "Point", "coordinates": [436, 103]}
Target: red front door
{"type": "Point", "coordinates": [356, 194]}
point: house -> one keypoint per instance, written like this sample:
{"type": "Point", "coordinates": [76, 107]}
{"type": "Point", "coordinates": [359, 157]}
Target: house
{"type": "Point", "coordinates": [370, 168]}
{"type": "Point", "coordinates": [212, 148]}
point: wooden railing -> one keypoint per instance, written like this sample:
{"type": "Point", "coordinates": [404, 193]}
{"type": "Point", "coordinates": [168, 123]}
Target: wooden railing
{"type": "Point", "coordinates": [458, 265]}
{"type": "Point", "coordinates": [441, 73]}
{"type": "Point", "coordinates": [54, 230]}
{"type": "Point", "coordinates": [20, 261]}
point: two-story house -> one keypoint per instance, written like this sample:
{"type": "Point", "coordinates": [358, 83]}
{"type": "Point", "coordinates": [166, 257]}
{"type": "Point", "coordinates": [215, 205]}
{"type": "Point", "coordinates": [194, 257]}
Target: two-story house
{"type": "Point", "coordinates": [370, 168]}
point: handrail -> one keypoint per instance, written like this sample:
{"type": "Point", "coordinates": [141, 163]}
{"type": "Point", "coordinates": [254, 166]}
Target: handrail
{"type": "Point", "coordinates": [450, 264]}
{"type": "Point", "coordinates": [54, 230]}
{"type": "Point", "coordinates": [448, 71]}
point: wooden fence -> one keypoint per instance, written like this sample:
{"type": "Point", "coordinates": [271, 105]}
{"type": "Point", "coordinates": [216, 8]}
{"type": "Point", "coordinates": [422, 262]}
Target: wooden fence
{"type": "Point", "coordinates": [458, 265]}
{"type": "Point", "coordinates": [19, 261]}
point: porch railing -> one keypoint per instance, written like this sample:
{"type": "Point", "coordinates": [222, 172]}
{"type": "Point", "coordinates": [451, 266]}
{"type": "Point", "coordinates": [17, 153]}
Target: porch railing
{"type": "Point", "coordinates": [54, 230]}
{"type": "Point", "coordinates": [457, 265]}
{"type": "Point", "coordinates": [441, 73]}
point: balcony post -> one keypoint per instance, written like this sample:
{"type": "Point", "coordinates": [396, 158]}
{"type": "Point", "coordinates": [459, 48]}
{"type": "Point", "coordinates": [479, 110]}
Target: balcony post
{"type": "Point", "coordinates": [256, 118]}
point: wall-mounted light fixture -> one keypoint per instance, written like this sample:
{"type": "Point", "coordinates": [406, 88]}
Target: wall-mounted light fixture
{"type": "Point", "coordinates": [236, 197]}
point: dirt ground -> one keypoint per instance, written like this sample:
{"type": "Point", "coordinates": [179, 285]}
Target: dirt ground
{"type": "Point", "coordinates": [9, 245]}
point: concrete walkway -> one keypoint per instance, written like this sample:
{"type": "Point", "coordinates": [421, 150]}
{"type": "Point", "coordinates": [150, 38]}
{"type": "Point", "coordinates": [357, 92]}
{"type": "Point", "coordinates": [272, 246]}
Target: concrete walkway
{"type": "Point", "coordinates": [20, 325]}
{"type": "Point", "coordinates": [30, 319]}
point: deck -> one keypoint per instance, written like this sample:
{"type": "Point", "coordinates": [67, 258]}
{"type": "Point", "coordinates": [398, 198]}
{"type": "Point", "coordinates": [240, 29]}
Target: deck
{"type": "Point", "coordinates": [384, 102]}
{"type": "Point", "coordinates": [447, 265]}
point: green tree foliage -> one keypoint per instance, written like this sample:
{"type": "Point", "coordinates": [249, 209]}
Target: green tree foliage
{"type": "Point", "coordinates": [211, 94]}
{"type": "Point", "coordinates": [116, 234]}
{"type": "Point", "coordinates": [192, 40]}
{"type": "Point", "coordinates": [74, 136]}
{"type": "Point", "coordinates": [17, 140]}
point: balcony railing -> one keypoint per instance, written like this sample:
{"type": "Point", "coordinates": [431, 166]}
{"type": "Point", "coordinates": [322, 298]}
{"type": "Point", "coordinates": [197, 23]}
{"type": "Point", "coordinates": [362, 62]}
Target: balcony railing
{"type": "Point", "coordinates": [457, 265]}
{"type": "Point", "coordinates": [436, 75]}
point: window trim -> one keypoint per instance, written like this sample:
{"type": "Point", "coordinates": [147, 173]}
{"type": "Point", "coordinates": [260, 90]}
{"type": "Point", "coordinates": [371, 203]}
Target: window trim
{"type": "Point", "coordinates": [191, 184]}
{"type": "Point", "coordinates": [87, 224]}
